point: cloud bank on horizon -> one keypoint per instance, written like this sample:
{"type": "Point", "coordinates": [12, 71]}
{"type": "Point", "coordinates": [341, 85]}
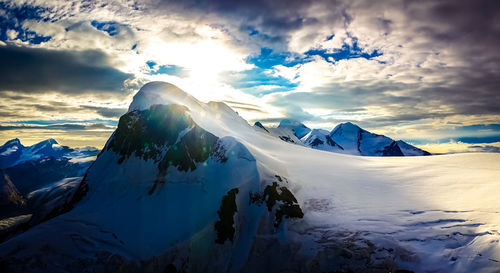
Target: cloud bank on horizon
{"type": "Point", "coordinates": [424, 71]}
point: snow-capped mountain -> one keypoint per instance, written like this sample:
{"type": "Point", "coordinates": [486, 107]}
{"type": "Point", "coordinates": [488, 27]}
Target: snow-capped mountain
{"type": "Point", "coordinates": [13, 152]}
{"type": "Point", "coordinates": [321, 140]}
{"type": "Point", "coordinates": [346, 138]}
{"type": "Point", "coordinates": [284, 133]}
{"type": "Point", "coordinates": [299, 129]}
{"type": "Point", "coordinates": [358, 141]}
{"type": "Point", "coordinates": [10, 152]}
{"type": "Point", "coordinates": [187, 186]}
{"type": "Point", "coordinates": [28, 169]}
{"type": "Point", "coordinates": [34, 174]}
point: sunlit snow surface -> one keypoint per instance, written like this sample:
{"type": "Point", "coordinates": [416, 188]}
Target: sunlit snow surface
{"type": "Point", "coordinates": [433, 214]}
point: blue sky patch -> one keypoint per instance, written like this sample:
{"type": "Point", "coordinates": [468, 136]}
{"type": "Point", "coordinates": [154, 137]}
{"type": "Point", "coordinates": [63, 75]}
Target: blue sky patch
{"type": "Point", "coordinates": [173, 70]}
{"type": "Point", "coordinates": [267, 59]}
{"type": "Point", "coordinates": [251, 80]}
{"type": "Point", "coordinates": [345, 52]}
{"type": "Point", "coordinates": [15, 16]}
{"type": "Point", "coordinates": [109, 27]}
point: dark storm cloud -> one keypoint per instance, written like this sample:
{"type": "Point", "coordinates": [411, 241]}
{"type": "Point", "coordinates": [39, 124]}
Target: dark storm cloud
{"type": "Point", "coordinates": [64, 127]}
{"type": "Point", "coordinates": [485, 148]}
{"type": "Point", "coordinates": [107, 112]}
{"type": "Point", "coordinates": [34, 70]}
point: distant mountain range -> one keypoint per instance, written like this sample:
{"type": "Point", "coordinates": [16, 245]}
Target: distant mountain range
{"type": "Point", "coordinates": [346, 138]}
{"type": "Point", "coordinates": [25, 169]}
{"type": "Point", "coordinates": [13, 152]}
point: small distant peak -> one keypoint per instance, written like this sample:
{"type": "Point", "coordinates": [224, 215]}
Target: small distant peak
{"type": "Point", "coordinates": [50, 141]}
{"type": "Point", "coordinates": [314, 133]}
{"type": "Point", "coordinates": [401, 142]}
{"type": "Point", "coordinates": [12, 142]}
{"type": "Point", "coordinates": [290, 122]}
{"type": "Point", "coordinates": [299, 129]}
{"type": "Point", "coordinates": [259, 125]}
{"type": "Point", "coordinates": [345, 127]}
{"type": "Point", "coordinates": [349, 124]}
{"type": "Point", "coordinates": [45, 143]}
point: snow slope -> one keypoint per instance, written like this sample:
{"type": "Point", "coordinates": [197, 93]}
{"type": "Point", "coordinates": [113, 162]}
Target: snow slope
{"type": "Point", "coordinates": [339, 212]}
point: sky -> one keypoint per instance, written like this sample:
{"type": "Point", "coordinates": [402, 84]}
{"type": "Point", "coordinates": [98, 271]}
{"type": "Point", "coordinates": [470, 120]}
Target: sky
{"type": "Point", "coordinates": [427, 72]}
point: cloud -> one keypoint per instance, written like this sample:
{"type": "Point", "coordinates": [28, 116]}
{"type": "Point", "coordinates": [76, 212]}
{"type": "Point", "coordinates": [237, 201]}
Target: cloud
{"type": "Point", "coordinates": [35, 70]}
{"type": "Point", "coordinates": [460, 147]}
{"type": "Point", "coordinates": [485, 148]}
{"type": "Point", "coordinates": [107, 112]}
{"type": "Point", "coordinates": [63, 127]}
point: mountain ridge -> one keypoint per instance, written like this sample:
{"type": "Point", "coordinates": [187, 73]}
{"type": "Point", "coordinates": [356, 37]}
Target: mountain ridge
{"type": "Point", "coordinates": [347, 138]}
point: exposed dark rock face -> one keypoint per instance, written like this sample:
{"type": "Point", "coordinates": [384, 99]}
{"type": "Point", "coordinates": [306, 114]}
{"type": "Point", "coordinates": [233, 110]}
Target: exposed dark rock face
{"type": "Point", "coordinates": [167, 135]}
{"type": "Point", "coordinates": [145, 133]}
{"type": "Point", "coordinates": [287, 203]}
{"type": "Point", "coordinates": [12, 202]}
{"type": "Point", "coordinates": [258, 124]}
{"type": "Point", "coordinates": [287, 139]}
{"type": "Point", "coordinates": [360, 137]}
{"type": "Point", "coordinates": [330, 142]}
{"type": "Point", "coordinates": [392, 150]}
{"type": "Point", "coordinates": [225, 226]}
{"type": "Point", "coordinates": [316, 142]}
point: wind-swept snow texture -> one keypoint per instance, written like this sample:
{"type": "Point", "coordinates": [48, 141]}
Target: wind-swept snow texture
{"type": "Point", "coordinates": [207, 192]}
